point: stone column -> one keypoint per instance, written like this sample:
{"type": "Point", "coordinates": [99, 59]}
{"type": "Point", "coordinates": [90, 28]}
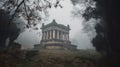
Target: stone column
{"type": "Point", "coordinates": [68, 36]}
{"type": "Point", "coordinates": [65, 36]}
{"type": "Point", "coordinates": [58, 36]}
{"type": "Point", "coordinates": [47, 35]}
{"type": "Point", "coordinates": [50, 34]}
{"type": "Point", "coordinates": [62, 35]}
{"type": "Point", "coordinates": [53, 34]}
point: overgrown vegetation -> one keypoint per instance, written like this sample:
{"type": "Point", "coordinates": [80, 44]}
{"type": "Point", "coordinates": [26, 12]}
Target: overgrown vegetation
{"type": "Point", "coordinates": [49, 58]}
{"type": "Point", "coordinates": [107, 39]}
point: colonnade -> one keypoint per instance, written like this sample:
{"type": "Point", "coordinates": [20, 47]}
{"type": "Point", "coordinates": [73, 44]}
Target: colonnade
{"type": "Point", "coordinates": [55, 34]}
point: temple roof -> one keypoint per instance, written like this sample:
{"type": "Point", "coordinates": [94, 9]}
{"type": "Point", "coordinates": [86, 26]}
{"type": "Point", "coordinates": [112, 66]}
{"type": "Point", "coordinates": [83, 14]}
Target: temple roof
{"type": "Point", "coordinates": [54, 23]}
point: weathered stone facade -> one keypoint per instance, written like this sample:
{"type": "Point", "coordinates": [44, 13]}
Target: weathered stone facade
{"type": "Point", "coordinates": [55, 36]}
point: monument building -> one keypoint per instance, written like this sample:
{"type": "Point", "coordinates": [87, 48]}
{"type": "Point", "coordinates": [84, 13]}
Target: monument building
{"type": "Point", "coordinates": [55, 36]}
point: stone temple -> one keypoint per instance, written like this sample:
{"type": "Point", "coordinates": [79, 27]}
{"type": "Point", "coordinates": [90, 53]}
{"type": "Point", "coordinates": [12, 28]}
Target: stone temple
{"type": "Point", "coordinates": [55, 36]}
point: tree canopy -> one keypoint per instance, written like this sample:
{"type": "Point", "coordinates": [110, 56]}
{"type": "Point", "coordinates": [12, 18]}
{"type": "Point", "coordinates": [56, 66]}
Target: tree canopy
{"type": "Point", "coordinates": [108, 35]}
{"type": "Point", "coordinates": [29, 10]}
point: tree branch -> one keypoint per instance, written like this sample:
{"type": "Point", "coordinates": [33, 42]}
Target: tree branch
{"type": "Point", "coordinates": [27, 13]}
{"type": "Point", "coordinates": [17, 9]}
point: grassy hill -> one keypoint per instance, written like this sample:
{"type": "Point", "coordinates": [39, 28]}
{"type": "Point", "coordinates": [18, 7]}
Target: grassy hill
{"type": "Point", "coordinates": [65, 58]}
{"type": "Point", "coordinates": [50, 58]}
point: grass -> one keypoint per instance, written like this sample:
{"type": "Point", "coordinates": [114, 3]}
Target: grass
{"type": "Point", "coordinates": [49, 58]}
{"type": "Point", "coordinates": [65, 58]}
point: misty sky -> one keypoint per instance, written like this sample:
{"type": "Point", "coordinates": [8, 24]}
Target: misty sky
{"type": "Point", "coordinates": [62, 16]}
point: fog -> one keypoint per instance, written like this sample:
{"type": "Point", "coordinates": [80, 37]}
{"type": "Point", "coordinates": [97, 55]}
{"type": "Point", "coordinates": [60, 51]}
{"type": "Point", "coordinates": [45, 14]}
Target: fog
{"type": "Point", "coordinates": [64, 16]}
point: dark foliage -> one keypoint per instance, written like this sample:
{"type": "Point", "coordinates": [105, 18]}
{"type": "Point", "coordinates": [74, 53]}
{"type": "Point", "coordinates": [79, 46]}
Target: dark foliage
{"type": "Point", "coordinates": [7, 29]}
{"type": "Point", "coordinates": [31, 54]}
{"type": "Point", "coordinates": [4, 21]}
{"type": "Point", "coordinates": [90, 13]}
{"type": "Point", "coordinates": [108, 32]}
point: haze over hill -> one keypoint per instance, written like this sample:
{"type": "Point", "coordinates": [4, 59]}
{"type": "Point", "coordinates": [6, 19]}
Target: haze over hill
{"type": "Point", "coordinates": [62, 16]}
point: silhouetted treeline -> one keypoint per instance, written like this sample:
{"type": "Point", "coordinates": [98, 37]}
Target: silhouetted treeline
{"type": "Point", "coordinates": [7, 30]}
{"type": "Point", "coordinates": [107, 40]}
